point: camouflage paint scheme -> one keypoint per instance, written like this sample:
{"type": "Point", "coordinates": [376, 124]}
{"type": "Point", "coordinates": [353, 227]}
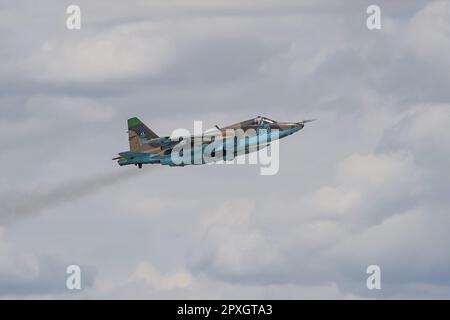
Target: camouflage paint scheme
{"type": "Point", "coordinates": [146, 147]}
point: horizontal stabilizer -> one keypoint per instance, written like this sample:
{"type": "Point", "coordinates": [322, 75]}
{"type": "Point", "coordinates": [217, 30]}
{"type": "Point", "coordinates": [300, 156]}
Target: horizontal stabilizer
{"type": "Point", "coordinates": [132, 155]}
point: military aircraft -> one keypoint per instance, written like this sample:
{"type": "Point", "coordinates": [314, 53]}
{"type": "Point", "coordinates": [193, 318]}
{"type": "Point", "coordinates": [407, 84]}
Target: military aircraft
{"type": "Point", "coordinates": [225, 143]}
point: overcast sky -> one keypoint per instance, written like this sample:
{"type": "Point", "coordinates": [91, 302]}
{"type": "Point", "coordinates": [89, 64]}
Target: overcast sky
{"type": "Point", "coordinates": [366, 184]}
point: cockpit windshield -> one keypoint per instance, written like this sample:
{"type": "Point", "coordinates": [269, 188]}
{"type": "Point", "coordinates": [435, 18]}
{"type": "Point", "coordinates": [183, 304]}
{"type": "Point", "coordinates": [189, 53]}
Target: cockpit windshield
{"type": "Point", "coordinates": [263, 120]}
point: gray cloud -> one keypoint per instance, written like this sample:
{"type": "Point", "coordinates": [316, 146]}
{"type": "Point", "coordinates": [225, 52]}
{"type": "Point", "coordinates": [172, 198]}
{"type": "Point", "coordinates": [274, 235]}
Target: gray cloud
{"type": "Point", "coordinates": [366, 184]}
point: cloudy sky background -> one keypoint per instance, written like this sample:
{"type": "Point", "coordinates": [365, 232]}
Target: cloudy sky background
{"type": "Point", "coordinates": [366, 184]}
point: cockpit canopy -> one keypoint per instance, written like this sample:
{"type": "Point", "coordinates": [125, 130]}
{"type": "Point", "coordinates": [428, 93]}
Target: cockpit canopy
{"type": "Point", "coordinates": [263, 120]}
{"type": "Point", "coordinates": [259, 121]}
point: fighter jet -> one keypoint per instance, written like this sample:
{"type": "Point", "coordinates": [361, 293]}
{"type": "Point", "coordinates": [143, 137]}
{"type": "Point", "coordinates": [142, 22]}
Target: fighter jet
{"type": "Point", "coordinates": [217, 144]}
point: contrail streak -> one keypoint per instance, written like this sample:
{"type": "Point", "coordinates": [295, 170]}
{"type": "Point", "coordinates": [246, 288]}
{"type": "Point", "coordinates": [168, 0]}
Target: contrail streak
{"type": "Point", "coordinates": [20, 205]}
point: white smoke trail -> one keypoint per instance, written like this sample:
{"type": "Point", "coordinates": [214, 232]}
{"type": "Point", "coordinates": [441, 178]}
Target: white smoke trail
{"type": "Point", "coordinates": [19, 205]}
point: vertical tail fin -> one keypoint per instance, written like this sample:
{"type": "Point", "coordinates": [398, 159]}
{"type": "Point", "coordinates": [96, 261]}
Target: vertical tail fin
{"type": "Point", "coordinates": [138, 130]}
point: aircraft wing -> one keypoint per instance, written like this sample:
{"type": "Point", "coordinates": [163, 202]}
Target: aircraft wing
{"type": "Point", "coordinates": [163, 142]}
{"type": "Point", "coordinates": [168, 142]}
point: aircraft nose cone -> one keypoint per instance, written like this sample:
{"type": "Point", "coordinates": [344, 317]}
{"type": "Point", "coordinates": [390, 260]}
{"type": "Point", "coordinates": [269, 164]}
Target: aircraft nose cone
{"type": "Point", "coordinates": [291, 126]}
{"type": "Point", "coordinates": [299, 125]}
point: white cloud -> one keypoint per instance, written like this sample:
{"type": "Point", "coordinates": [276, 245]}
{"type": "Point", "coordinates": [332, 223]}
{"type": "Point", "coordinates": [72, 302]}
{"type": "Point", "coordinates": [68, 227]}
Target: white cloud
{"type": "Point", "coordinates": [409, 247]}
{"type": "Point", "coordinates": [65, 107]}
{"type": "Point", "coordinates": [148, 273]}
{"type": "Point", "coordinates": [427, 33]}
{"type": "Point", "coordinates": [14, 263]}
{"type": "Point", "coordinates": [336, 199]}
{"type": "Point", "coordinates": [426, 124]}
{"type": "Point", "coordinates": [129, 51]}
{"type": "Point", "coordinates": [363, 184]}
{"type": "Point", "coordinates": [377, 172]}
